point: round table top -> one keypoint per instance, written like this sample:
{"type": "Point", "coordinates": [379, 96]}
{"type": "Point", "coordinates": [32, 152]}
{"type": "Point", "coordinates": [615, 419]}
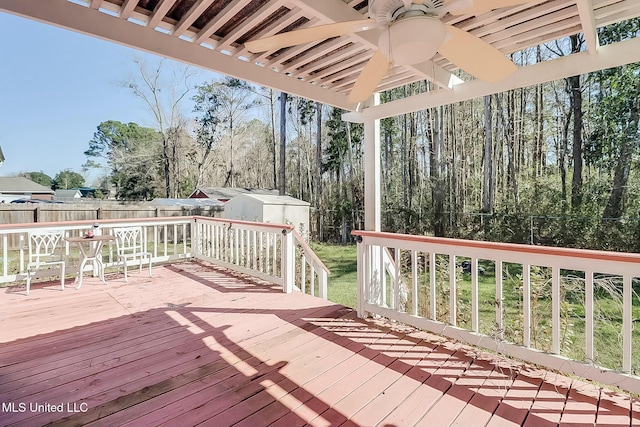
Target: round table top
{"type": "Point", "coordinates": [80, 239]}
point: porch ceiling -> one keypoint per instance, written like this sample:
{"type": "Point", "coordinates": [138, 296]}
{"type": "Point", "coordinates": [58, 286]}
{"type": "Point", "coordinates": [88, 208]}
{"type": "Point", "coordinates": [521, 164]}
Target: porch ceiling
{"type": "Point", "coordinates": [210, 34]}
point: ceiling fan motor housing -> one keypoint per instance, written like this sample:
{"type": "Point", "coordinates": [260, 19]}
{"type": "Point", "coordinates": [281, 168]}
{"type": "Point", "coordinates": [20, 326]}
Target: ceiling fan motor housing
{"type": "Point", "coordinates": [412, 40]}
{"type": "Point", "coordinates": [385, 11]}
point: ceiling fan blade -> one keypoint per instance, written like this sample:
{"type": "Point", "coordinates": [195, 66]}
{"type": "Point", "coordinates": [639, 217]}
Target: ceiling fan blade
{"type": "Point", "coordinates": [476, 56]}
{"type": "Point", "coordinates": [369, 78]}
{"type": "Point", "coordinates": [472, 7]}
{"type": "Point", "coordinates": [306, 35]}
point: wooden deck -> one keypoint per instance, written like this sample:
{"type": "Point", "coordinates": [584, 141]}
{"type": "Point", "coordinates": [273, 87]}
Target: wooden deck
{"type": "Point", "coordinates": [197, 345]}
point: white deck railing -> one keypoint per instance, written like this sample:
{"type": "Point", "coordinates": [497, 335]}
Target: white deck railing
{"type": "Point", "coordinates": [546, 306]}
{"type": "Point", "coordinates": [275, 253]}
{"type": "Point", "coordinates": [167, 239]}
{"type": "Point", "coordinates": [260, 250]}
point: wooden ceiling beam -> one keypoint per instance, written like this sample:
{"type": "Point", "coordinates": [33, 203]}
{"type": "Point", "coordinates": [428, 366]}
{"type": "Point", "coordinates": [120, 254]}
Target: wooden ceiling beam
{"type": "Point", "coordinates": [249, 23]}
{"type": "Point", "coordinates": [127, 8]}
{"type": "Point", "coordinates": [220, 19]}
{"type": "Point", "coordinates": [159, 12]}
{"type": "Point", "coordinates": [191, 16]}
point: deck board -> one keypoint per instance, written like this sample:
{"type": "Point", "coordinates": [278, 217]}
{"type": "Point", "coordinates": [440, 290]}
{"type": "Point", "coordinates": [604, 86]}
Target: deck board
{"type": "Point", "coordinates": [198, 345]}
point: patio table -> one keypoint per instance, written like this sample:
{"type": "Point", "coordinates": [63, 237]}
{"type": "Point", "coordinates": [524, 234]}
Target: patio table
{"type": "Point", "coordinates": [90, 250]}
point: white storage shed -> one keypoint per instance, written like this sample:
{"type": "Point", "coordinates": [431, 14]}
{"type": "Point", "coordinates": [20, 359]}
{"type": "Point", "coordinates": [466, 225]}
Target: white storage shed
{"type": "Point", "coordinates": [269, 208]}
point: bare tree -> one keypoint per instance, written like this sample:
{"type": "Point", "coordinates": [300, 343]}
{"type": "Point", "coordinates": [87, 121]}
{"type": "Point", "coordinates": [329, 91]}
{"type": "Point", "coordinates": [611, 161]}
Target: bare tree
{"type": "Point", "coordinates": [165, 108]}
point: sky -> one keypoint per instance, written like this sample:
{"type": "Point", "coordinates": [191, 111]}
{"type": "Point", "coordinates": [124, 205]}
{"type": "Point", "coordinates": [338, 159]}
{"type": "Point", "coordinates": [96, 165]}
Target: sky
{"type": "Point", "coordinates": [57, 87]}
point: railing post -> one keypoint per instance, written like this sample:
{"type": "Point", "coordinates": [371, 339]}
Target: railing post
{"type": "Point", "coordinates": [288, 261]}
{"type": "Point", "coordinates": [360, 278]}
{"type": "Point", "coordinates": [322, 283]}
{"type": "Point", "coordinates": [195, 239]}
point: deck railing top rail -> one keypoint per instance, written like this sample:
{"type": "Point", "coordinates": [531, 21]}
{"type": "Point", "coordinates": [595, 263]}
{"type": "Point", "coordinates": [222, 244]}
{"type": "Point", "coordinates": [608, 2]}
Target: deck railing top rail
{"type": "Point", "coordinates": [21, 228]}
{"type": "Point", "coordinates": [463, 245]}
{"type": "Point", "coordinates": [309, 253]}
{"type": "Point", "coordinates": [245, 224]}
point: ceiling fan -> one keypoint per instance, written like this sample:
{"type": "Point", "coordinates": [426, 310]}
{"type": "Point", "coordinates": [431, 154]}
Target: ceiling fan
{"type": "Point", "coordinates": [411, 32]}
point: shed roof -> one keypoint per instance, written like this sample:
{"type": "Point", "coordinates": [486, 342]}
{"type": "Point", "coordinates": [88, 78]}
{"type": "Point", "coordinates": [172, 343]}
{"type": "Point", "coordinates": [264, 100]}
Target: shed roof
{"type": "Point", "coordinates": [187, 202]}
{"type": "Point", "coordinates": [21, 185]}
{"type": "Point", "coordinates": [270, 199]}
{"type": "Point", "coordinates": [227, 193]}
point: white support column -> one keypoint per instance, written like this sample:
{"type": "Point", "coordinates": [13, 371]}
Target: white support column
{"type": "Point", "coordinates": [372, 175]}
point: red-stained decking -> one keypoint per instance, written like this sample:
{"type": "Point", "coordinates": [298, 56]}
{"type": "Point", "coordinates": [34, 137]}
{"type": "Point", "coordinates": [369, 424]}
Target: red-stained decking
{"type": "Point", "coordinates": [198, 345]}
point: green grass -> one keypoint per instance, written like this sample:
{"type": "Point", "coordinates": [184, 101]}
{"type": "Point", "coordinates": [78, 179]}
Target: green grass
{"type": "Point", "coordinates": [342, 262]}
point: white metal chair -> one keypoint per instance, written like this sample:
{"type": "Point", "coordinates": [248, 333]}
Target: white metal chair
{"type": "Point", "coordinates": [130, 246]}
{"type": "Point", "coordinates": [45, 249]}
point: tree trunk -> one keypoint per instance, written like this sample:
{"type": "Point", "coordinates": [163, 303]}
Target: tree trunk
{"type": "Point", "coordinates": [319, 171]}
{"type": "Point", "coordinates": [620, 179]}
{"type": "Point", "coordinates": [576, 108]}
{"type": "Point", "coordinates": [488, 176]}
{"type": "Point", "coordinates": [167, 167]}
{"type": "Point", "coordinates": [283, 142]}
{"type": "Point", "coordinates": [437, 143]}
{"type": "Point", "coordinates": [511, 145]}
{"type": "Point", "coordinates": [273, 139]}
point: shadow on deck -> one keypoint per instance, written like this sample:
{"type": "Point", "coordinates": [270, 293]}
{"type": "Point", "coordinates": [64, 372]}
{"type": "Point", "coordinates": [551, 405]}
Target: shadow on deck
{"type": "Point", "coordinates": [199, 345]}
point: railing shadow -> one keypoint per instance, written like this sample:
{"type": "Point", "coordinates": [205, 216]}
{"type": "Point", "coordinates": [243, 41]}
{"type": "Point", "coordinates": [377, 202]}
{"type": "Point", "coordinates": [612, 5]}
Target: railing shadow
{"type": "Point", "coordinates": [186, 365]}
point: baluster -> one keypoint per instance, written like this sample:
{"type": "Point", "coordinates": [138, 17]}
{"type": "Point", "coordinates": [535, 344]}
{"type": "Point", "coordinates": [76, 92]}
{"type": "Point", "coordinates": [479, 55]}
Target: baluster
{"type": "Point", "coordinates": [555, 310]}
{"type": "Point", "coordinates": [499, 301]}
{"type": "Point", "coordinates": [627, 322]}
{"type": "Point", "coordinates": [414, 282]}
{"type": "Point", "coordinates": [588, 316]}
{"type": "Point", "coordinates": [526, 305]}
{"type": "Point", "coordinates": [474, 295]}
{"type": "Point", "coordinates": [453, 314]}
{"type": "Point", "coordinates": [432, 284]}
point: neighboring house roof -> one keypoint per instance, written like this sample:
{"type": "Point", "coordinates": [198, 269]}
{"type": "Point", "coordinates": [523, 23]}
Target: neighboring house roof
{"type": "Point", "coordinates": [68, 194]}
{"type": "Point", "coordinates": [187, 202]}
{"type": "Point", "coordinates": [22, 185]}
{"type": "Point", "coordinates": [226, 193]}
{"type": "Point", "coordinates": [271, 199]}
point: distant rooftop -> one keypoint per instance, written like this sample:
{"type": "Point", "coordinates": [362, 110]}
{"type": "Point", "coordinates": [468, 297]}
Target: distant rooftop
{"type": "Point", "coordinates": [22, 185]}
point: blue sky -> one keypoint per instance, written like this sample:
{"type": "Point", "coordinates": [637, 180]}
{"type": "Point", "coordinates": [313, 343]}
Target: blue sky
{"type": "Point", "coordinates": [57, 86]}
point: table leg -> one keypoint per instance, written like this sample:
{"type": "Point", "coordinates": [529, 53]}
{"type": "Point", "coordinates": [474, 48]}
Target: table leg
{"type": "Point", "coordinates": [95, 255]}
{"type": "Point", "coordinates": [98, 261]}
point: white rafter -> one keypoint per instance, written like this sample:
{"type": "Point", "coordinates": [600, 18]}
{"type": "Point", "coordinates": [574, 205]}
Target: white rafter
{"type": "Point", "coordinates": [159, 12]}
{"type": "Point", "coordinates": [127, 8]}
{"type": "Point", "coordinates": [190, 17]}
{"type": "Point", "coordinates": [588, 21]}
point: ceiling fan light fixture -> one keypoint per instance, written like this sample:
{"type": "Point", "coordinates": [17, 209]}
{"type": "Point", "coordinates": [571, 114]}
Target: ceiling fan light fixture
{"type": "Point", "coordinates": [413, 39]}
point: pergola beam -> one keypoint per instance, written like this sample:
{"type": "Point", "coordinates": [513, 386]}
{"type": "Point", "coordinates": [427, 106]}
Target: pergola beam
{"type": "Point", "coordinates": [608, 56]}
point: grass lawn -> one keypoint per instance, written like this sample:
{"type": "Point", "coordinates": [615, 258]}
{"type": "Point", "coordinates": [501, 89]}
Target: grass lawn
{"type": "Point", "coordinates": [341, 261]}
